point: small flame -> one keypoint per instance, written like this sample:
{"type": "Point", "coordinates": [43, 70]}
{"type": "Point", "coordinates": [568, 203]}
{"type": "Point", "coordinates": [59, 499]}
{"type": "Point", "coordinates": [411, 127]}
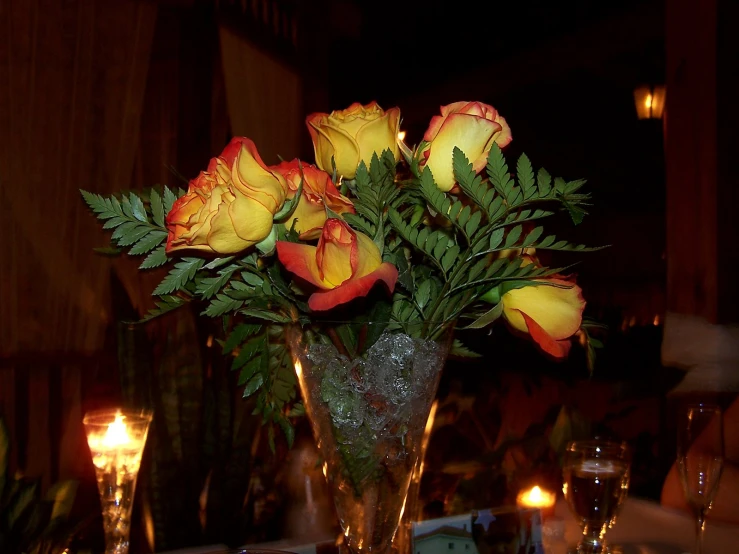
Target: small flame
{"type": "Point", "coordinates": [117, 434]}
{"type": "Point", "coordinates": [401, 136]}
{"type": "Point", "coordinates": [648, 102]}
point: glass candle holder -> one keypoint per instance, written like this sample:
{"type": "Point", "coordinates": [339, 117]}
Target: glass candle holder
{"type": "Point", "coordinates": [116, 439]}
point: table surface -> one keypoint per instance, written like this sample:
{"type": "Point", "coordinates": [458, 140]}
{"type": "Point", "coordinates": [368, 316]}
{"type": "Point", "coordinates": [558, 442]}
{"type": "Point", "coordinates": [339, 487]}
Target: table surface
{"type": "Point", "coordinates": [643, 527]}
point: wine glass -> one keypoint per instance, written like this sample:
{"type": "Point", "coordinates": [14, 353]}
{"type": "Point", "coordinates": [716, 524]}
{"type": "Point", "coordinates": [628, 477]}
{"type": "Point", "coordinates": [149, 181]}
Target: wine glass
{"type": "Point", "coordinates": [700, 459]}
{"type": "Point", "coordinates": [596, 482]}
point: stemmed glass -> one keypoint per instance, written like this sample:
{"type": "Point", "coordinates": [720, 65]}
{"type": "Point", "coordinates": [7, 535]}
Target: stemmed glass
{"type": "Point", "coordinates": [116, 439]}
{"type": "Point", "coordinates": [596, 482]}
{"type": "Point", "coordinates": [700, 459]}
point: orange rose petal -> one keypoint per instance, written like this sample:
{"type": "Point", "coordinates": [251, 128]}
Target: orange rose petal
{"type": "Point", "coordinates": [553, 347]}
{"type": "Point", "coordinates": [300, 259]}
{"type": "Point", "coordinates": [354, 288]}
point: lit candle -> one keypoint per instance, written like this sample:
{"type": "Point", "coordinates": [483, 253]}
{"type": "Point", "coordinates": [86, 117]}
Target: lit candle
{"type": "Point", "coordinates": [536, 497]}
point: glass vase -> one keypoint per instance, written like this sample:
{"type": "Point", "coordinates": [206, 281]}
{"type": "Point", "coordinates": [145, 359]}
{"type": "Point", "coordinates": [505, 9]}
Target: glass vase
{"type": "Point", "coordinates": [368, 389]}
{"type": "Point", "coordinates": [116, 439]}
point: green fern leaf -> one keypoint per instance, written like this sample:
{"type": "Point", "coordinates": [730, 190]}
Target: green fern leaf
{"type": "Point", "coordinates": [208, 286]}
{"type": "Point", "coordinates": [179, 276]}
{"type": "Point", "coordinates": [222, 304]}
{"type": "Point", "coordinates": [158, 257]}
{"type": "Point", "coordinates": [165, 304]}
{"type": "Point", "coordinates": [168, 198]}
{"type": "Point", "coordinates": [148, 242]}
{"type": "Point", "coordinates": [525, 175]}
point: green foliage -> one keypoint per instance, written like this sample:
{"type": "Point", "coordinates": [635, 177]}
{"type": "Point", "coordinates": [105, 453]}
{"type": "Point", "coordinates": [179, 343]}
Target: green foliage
{"type": "Point", "coordinates": [450, 248]}
{"type": "Point", "coordinates": [30, 522]}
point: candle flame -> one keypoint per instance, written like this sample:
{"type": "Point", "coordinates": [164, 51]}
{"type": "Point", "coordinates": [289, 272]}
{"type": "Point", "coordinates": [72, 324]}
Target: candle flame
{"type": "Point", "coordinates": [535, 494]}
{"type": "Point", "coordinates": [401, 136]}
{"type": "Point", "coordinates": [117, 434]}
{"type": "Point", "coordinates": [648, 101]}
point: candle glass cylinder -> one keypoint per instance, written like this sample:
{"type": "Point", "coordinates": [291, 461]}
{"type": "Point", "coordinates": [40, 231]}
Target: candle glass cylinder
{"type": "Point", "coordinates": [116, 439]}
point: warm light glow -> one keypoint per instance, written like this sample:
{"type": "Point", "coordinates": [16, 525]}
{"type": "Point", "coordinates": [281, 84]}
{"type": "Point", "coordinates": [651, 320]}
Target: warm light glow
{"type": "Point", "coordinates": [401, 136]}
{"type": "Point", "coordinates": [649, 101]}
{"type": "Point", "coordinates": [116, 435]}
{"type": "Point", "coordinates": [325, 469]}
{"type": "Point", "coordinates": [536, 497]}
{"type": "Point", "coordinates": [299, 371]}
{"type": "Point", "coordinates": [655, 322]}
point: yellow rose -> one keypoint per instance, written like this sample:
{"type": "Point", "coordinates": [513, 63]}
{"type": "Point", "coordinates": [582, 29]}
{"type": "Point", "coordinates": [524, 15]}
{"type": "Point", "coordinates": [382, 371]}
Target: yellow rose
{"type": "Point", "coordinates": [472, 127]}
{"type": "Point", "coordinates": [229, 207]}
{"type": "Point", "coordinates": [319, 193]}
{"type": "Point", "coordinates": [551, 313]}
{"type": "Point", "coordinates": [352, 135]}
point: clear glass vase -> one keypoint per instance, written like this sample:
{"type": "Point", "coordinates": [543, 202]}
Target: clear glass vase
{"type": "Point", "coordinates": [368, 389]}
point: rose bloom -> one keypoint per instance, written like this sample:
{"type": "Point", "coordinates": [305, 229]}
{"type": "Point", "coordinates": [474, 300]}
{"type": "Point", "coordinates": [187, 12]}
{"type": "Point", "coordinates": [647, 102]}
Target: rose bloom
{"type": "Point", "coordinates": [352, 135]}
{"type": "Point", "coordinates": [550, 314]}
{"type": "Point", "coordinates": [319, 193]}
{"type": "Point", "coordinates": [472, 127]}
{"type": "Point", "coordinates": [230, 206]}
{"type": "Point", "coordinates": [345, 265]}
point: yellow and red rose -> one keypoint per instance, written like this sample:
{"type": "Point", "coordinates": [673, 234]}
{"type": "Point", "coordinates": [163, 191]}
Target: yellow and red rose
{"type": "Point", "coordinates": [230, 206]}
{"type": "Point", "coordinates": [345, 265]}
{"type": "Point", "coordinates": [352, 135]}
{"type": "Point", "coordinates": [550, 312]}
{"type": "Point", "coordinates": [319, 193]}
{"type": "Point", "coordinates": [472, 127]}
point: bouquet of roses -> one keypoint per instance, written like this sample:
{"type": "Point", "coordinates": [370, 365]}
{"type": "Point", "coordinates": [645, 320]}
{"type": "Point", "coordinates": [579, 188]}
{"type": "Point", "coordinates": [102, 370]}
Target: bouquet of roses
{"type": "Point", "coordinates": [444, 233]}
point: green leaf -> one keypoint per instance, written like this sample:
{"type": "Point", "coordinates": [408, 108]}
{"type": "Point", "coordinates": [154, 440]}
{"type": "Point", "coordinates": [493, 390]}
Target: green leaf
{"type": "Point", "coordinates": [459, 349]}
{"type": "Point", "coordinates": [158, 257]}
{"type": "Point", "coordinates": [525, 175]}
{"type": "Point", "coordinates": [222, 304]}
{"type": "Point", "coordinates": [468, 180]}
{"type": "Point", "coordinates": [265, 315]}
{"type": "Point", "coordinates": [423, 294]}
{"type": "Point", "coordinates": [291, 204]}
{"type": "Point", "coordinates": [298, 410]}
{"type": "Point", "coordinates": [286, 427]}
{"type": "Point", "coordinates": [137, 207]}
{"type": "Point", "coordinates": [133, 232]}
{"type": "Point", "coordinates": [252, 279]}
{"type": "Point", "coordinates": [253, 385]}
{"type": "Point", "coordinates": [532, 237]}
{"type": "Point", "coordinates": [544, 182]}
{"type": "Point", "coordinates": [179, 276]}
{"type": "Point", "coordinates": [218, 262]}
{"type": "Point", "coordinates": [208, 286]}
{"type": "Point", "coordinates": [249, 370]}
{"type": "Point", "coordinates": [169, 199]}
{"type": "Point", "coordinates": [497, 170]}
{"type": "Point", "coordinates": [250, 350]}
{"type": "Point", "coordinates": [487, 318]}
{"type": "Point", "coordinates": [157, 208]}
{"type": "Point", "coordinates": [148, 242]}
{"type": "Point", "coordinates": [165, 304]}
{"type": "Point", "coordinates": [239, 334]}
{"type": "Point", "coordinates": [513, 236]}
{"type": "Point", "coordinates": [62, 495]}
{"type": "Point", "coordinates": [496, 237]}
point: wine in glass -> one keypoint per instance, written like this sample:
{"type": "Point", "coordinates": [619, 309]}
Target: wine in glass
{"type": "Point", "coordinates": [596, 482]}
{"type": "Point", "coordinates": [700, 458]}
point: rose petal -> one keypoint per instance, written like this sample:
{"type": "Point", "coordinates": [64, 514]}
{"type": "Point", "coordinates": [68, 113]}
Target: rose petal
{"type": "Point", "coordinates": [376, 136]}
{"type": "Point", "coordinates": [300, 259]}
{"type": "Point", "coordinates": [469, 134]}
{"type": "Point", "coordinates": [337, 143]}
{"type": "Point", "coordinates": [354, 288]}
{"type": "Point", "coordinates": [556, 348]}
{"type": "Point", "coordinates": [557, 310]}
